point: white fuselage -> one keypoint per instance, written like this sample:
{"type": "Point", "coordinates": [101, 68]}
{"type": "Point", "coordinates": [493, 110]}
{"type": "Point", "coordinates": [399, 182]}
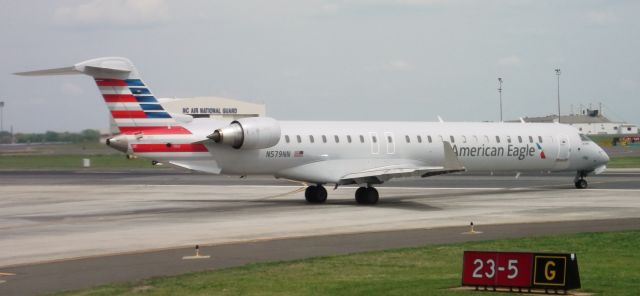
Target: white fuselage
{"type": "Point", "coordinates": [479, 146]}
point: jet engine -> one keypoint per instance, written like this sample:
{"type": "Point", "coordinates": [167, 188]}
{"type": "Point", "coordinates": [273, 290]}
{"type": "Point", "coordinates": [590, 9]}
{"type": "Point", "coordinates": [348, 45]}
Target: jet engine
{"type": "Point", "coordinates": [249, 133]}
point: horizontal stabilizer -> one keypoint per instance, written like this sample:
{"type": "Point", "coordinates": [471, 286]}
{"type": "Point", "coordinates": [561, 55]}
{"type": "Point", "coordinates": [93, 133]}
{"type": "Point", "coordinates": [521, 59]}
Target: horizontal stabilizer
{"type": "Point", "coordinates": [109, 67]}
{"type": "Point", "coordinates": [50, 72]}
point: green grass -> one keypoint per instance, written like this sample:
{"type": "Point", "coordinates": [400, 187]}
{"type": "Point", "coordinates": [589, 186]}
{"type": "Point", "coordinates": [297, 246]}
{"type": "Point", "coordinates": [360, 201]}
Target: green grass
{"type": "Point", "coordinates": [609, 265]}
{"type": "Point", "coordinates": [70, 162]}
{"type": "Point", "coordinates": [624, 162]}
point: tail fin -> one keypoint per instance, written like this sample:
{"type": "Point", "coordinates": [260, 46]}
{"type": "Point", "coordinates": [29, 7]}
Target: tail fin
{"type": "Point", "coordinates": [132, 105]}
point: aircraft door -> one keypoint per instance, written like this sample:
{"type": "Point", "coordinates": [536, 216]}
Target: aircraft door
{"type": "Point", "coordinates": [375, 142]}
{"type": "Point", "coordinates": [391, 144]}
{"type": "Point", "coordinates": [563, 148]}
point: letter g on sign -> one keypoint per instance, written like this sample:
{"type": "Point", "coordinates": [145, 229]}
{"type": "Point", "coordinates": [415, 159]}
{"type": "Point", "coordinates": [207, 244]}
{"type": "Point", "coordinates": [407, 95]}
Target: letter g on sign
{"type": "Point", "coordinates": [549, 271]}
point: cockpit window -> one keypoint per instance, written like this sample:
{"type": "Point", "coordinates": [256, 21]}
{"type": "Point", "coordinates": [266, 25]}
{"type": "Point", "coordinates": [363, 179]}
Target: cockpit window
{"type": "Point", "coordinates": [584, 138]}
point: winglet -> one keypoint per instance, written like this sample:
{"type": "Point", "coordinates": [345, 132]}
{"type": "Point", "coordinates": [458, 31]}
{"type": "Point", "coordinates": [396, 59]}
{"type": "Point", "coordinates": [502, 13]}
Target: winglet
{"type": "Point", "coordinates": [451, 161]}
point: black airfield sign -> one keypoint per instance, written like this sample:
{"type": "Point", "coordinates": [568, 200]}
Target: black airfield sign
{"type": "Point", "coordinates": [555, 271]}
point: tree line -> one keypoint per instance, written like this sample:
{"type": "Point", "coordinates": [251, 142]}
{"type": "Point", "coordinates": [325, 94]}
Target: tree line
{"type": "Point", "coordinates": [88, 135]}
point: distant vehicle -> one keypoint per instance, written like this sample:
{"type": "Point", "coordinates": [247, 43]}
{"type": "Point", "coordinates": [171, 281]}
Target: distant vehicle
{"type": "Point", "coordinates": [328, 152]}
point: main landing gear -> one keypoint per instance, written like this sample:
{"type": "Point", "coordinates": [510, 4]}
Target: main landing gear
{"type": "Point", "coordinates": [315, 194]}
{"type": "Point", "coordinates": [580, 182]}
{"type": "Point", "coordinates": [367, 195]}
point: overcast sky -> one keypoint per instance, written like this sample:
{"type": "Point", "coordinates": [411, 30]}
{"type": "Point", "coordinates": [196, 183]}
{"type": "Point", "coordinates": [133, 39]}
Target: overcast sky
{"type": "Point", "coordinates": [327, 60]}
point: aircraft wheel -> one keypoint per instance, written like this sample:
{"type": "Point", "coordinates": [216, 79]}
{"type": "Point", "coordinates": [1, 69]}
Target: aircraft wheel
{"type": "Point", "coordinates": [372, 196]}
{"type": "Point", "coordinates": [360, 195]}
{"type": "Point", "coordinates": [367, 195]}
{"type": "Point", "coordinates": [315, 194]}
{"type": "Point", "coordinates": [581, 184]}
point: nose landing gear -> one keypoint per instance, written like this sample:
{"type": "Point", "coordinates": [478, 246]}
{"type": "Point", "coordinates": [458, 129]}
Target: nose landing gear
{"type": "Point", "coordinates": [579, 180]}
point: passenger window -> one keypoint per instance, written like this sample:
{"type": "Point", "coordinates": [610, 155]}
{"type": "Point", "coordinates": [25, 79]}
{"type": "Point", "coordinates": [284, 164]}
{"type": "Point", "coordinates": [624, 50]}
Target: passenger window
{"type": "Point", "coordinates": [349, 138]}
{"type": "Point", "coordinates": [540, 139]}
{"type": "Point", "coordinates": [464, 139]}
{"type": "Point", "coordinates": [441, 138]}
{"type": "Point", "coordinates": [286, 138]}
{"type": "Point", "coordinates": [406, 138]}
{"type": "Point", "coordinates": [452, 139]}
{"type": "Point", "coordinates": [429, 138]}
{"type": "Point", "coordinates": [475, 139]}
{"type": "Point", "coordinates": [486, 138]}
{"type": "Point", "coordinates": [519, 139]}
{"type": "Point", "coordinates": [299, 138]}
{"type": "Point", "coordinates": [335, 137]}
{"type": "Point", "coordinates": [508, 139]}
{"type": "Point", "coordinates": [375, 140]}
{"type": "Point", "coordinates": [530, 139]}
{"type": "Point", "coordinates": [389, 139]}
{"type": "Point", "coordinates": [419, 139]}
{"type": "Point", "coordinates": [497, 139]}
{"type": "Point", "coordinates": [311, 139]}
{"type": "Point", "coordinates": [324, 139]}
{"type": "Point", "coordinates": [361, 139]}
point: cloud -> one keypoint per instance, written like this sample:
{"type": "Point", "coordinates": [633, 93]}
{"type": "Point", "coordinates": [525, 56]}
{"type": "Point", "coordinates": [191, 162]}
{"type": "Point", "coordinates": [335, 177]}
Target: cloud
{"type": "Point", "coordinates": [600, 17]}
{"type": "Point", "coordinates": [512, 60]}
{"type": "Point", "coordinates": [119, 13]}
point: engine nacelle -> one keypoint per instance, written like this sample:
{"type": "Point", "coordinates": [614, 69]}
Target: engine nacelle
{"type": "Point", "coordinates": [249, 133]}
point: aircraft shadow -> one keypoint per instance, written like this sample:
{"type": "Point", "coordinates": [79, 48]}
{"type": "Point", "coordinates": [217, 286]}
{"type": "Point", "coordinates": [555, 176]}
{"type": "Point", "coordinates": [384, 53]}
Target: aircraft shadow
{"type": "Point", "coordinates": [409, 202]}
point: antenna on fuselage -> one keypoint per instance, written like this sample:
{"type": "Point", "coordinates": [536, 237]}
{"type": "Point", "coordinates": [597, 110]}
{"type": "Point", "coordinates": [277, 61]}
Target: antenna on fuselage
{"type": "Point", "coordinates": [440, 119]}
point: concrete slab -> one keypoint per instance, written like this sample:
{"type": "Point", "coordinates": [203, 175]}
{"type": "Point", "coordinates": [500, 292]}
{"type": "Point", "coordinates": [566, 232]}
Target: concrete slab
{"type": "Point", "coordinates": [43, 223]}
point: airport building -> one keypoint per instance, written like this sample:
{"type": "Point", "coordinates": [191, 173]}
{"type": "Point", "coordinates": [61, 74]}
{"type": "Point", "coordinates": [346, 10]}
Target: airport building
{"type": "Point", "coordinates": [213, 107]}
{"type": "Point", "coordinates": [591, 122]}
{"type": "Point", "coordinates": [208, 107]}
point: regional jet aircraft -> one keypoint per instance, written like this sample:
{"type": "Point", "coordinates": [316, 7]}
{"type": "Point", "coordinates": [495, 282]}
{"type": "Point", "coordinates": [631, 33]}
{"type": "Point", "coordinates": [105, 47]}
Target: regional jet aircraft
{"type": "Point", "coordinates": [328, 153]}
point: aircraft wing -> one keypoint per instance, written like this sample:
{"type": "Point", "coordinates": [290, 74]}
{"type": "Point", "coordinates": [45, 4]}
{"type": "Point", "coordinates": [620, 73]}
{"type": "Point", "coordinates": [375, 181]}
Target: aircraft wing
{"type": "Point", "coordinates": [207, 166]}
{"type": "Point", "coordinates": [373, 171]}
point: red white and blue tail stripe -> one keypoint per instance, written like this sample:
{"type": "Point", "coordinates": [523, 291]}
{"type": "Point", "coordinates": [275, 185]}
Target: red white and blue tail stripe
{"type": "Point", "coordinates": [135, 109]}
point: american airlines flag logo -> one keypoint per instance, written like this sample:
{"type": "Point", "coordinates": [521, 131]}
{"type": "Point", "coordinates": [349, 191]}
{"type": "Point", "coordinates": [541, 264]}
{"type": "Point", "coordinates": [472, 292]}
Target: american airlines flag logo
{"type": "Point", "coordinates": [541, 151]}
{"type": "Point", "coordinates": [298, 153]}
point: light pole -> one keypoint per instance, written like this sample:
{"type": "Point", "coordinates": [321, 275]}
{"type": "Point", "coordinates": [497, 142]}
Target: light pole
{"type": "Point", "coordinates": [500, 94]}
{"type": "Point", "coordinates": [1, 116]}
{"type": "Point", "coordinates": [558, 75]}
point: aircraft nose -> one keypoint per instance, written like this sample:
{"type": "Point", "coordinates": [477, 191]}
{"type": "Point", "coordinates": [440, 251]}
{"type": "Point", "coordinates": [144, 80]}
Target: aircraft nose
{"type": "Point", "coordinates": [604, 158]}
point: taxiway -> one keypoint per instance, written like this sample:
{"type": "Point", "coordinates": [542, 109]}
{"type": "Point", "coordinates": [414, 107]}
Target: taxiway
{"type": "Point", "coordinates": [131, 225]}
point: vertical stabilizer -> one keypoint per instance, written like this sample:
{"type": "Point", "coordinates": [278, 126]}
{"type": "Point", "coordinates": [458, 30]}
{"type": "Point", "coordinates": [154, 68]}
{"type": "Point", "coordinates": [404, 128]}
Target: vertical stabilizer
{"type": "Point", "coordinates": [133, 106]}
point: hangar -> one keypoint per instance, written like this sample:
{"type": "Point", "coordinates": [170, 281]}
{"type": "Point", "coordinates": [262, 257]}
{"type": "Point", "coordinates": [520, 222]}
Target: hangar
{"type": "Point", "coordinates": [219, 108]}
